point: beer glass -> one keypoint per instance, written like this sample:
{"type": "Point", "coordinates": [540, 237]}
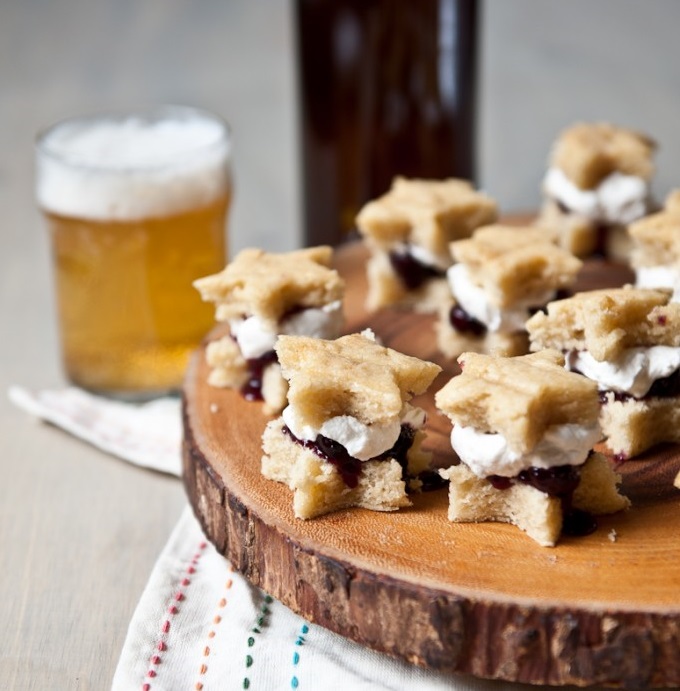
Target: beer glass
{"type": "Point", "coordinates": [136, 208]}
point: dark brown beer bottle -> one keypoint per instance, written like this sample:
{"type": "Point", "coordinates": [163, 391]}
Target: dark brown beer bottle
{"type": "Point", "coordinates": [387, 87]}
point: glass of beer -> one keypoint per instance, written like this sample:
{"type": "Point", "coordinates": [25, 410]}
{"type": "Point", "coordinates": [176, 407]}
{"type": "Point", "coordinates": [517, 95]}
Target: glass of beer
{"type": "Point", "coordinates": [136, 208]}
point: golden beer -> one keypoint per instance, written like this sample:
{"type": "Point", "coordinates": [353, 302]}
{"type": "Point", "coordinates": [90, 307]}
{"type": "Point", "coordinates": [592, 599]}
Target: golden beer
{"type": "Point", "coordinates": [128, 313]}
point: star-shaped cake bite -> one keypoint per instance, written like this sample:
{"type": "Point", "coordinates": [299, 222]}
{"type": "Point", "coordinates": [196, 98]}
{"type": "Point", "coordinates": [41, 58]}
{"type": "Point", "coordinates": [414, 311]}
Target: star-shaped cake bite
{"type": "Point", "coordinates": [349, 436]}
{"type": "Point", "coordinates": [262, 295]}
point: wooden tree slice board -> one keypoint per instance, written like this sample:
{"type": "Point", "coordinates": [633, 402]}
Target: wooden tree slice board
{"type": "Point", "coordinates": [482, 599]}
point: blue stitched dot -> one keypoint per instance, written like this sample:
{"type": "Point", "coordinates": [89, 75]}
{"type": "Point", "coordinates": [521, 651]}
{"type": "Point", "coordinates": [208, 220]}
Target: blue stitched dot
{"type": "Point", "coordinates": [305, 628]}
{"type": "Point", "coordinates": [294, 682]}
{"type": "Point", "coordinates": [296, 658]}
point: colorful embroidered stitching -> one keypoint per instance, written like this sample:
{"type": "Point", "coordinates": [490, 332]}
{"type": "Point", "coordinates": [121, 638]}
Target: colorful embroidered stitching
{"type": "Point", "coordinates": [300, 641]}
{"type": "Point", "coordinates": [179, 596]}
{"type": "Point", "coordinates": [261, 622]}
{"type": "Point", "coordinates": [212, 633]}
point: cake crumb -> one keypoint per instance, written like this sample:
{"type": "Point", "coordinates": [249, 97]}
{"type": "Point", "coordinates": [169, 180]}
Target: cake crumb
{"type": "Point", "coordinates": [214, 408]}
{"type": "Point", "coordinates": [612, 535]}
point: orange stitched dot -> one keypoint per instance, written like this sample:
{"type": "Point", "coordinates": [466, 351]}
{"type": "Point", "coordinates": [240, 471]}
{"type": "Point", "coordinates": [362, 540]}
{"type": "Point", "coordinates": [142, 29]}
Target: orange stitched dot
{"type": "Point", "coordinates": [217, 619]}
{"type": "Point", "coordinates": [211, 634]}
{"type": "Point", "coordinates": [204, 669]}
{"type": "Point", "coordinates": [229, 583]}
{"type": "Point", "coordinates": [206, 651]}
{"type": "Point", "coordinates": [222, 602]}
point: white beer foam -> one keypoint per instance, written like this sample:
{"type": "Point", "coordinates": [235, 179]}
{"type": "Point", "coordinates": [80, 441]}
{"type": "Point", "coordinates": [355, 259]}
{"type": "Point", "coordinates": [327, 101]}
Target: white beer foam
{"type": "Point", "coordinates": [126, 169]}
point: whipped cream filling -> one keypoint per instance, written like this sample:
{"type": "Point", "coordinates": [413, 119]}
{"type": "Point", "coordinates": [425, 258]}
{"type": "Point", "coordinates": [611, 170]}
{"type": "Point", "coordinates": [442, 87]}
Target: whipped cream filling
{"type": "Point", "coordinates": [255, 337]}
{"type": "Point", "coordinates": [632, 373]}
{"type": "Point", "coordinates": [363, 442]}
{"type": "Point", "coordinates": [618, 198]}
{"type": "Point", "coordinates": [664, 276]}
{"type": "Point", "coordinates": [490, 454]}
{"type": "Point", "coordinates": [474, 300]}
{"type": "Point", "coordinates": [423, 256]}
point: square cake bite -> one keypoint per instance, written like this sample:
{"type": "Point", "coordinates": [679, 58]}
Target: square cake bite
{"type": "Point", "coordinates": [627, 341]}
{"type": "Point", "coordinates": [261, 295]}
{"type": "Point", "coordinates": [655, 254]}
{"type": "Point", "coordinates": [348, 437]}
{"type": "Point", "coordinates": [408, 231]}
{"type": "Point", "coordinates": [501, 276]}
{"type": "Point", "coordinates": [597, 182]}
{"type": "Point", "coordinates": [524, 428]}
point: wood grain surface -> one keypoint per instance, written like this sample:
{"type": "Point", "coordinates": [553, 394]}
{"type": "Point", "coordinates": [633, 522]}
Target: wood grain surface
{"type": "Point", "coordinates": [477, 598]}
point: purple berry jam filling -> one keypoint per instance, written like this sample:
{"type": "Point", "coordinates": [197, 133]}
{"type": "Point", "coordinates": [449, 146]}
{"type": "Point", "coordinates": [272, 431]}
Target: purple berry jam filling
{"type": "Point", "coordinates": [252, 389]}
{"type": "Point", "coordinates": [465, 323]}
{"type": "Point", "coordinates": [412, 272]}
{"type": "Point", "coordinates": [350, 467]}
{"type": "Point", "coordinates": [561, 482]}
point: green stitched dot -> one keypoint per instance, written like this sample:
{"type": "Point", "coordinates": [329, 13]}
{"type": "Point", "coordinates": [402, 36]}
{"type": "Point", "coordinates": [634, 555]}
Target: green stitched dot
{"type": "Point", "coordinates": [249, 661]}
{"type": "Point", "coordinates": [269, 599]}
{"type": "Point", "coordinates": [260, 621]}
{"type": "Point", "coordinates": [255, 630]}
{"type": "Point", "coordinates": [251, 642]}
{"type": "Point", "coordinates": [246, 683]}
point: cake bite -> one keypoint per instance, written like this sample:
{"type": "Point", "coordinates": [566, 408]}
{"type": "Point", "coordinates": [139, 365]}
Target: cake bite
{"type": "Point", "coordinates": [524, 429]}
{"type": "Point", "coordinates": [502, 275]}
{"type": "Point", "coordinates": [627, 342]}
{"type": "Point", "coordinates": [408, 231]}
{"type": "Point", "coordinates": [655, 255]}
{"type": "Point", "coordinates": [348, 437]}
{"type": "Point", "coordinates": [598, 181]}
{"type": "Point", "coordinates": [260, 296]}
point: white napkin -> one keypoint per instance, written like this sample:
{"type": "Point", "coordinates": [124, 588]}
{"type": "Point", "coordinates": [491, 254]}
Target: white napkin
{"type": "Point", "coordinates": [148, 434]}
{"type": "Point", "coordinates": [200, 625]}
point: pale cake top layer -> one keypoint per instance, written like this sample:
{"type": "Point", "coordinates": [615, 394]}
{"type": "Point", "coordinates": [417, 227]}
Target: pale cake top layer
{"type": "Point", "coordinates": [518, 397]}
{"type": "Point", "coordinates": [269, 285]}
{"type": "Point", "coordinates": [514, 264]}
{"type": "Point", "coordinates": [428, 213]}
{"type": "Point", "coordinates": [352, 375]}
{"type": "Point", "coordinates": [606, 322]}
{"type": "Point", "coordinates": [656, 238]}
{"type": "Point", "coordinates": [588, 152]}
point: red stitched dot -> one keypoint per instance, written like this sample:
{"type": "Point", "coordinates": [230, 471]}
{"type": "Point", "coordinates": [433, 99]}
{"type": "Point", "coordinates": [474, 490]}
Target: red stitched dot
{"type": "Point", "coordinates": [162, 646]}
{"type": "Point", "coordinates": [155, 660]}
{"type": "Point", "coordinates": [179, 597]}
{"type": "Point", "coordinates": [203, 545]}
{"type": "Point", "coordinates": [185, 581]}
{"type": "Point", "coordinates": [191, 569]}
{"type": "Point", "coordinates": [166, 626]}
{"type": "Point", "coordinates": [146, 687]}
{"type": "Point", "coordinates": [151, 673]}
{"type": "Point", "coordinates": [173, 609]}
